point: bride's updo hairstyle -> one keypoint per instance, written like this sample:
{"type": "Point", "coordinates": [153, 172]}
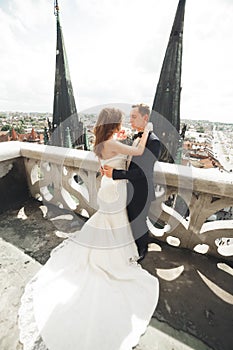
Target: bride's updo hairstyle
{"type": "Point", "coordinates": [108, 122]}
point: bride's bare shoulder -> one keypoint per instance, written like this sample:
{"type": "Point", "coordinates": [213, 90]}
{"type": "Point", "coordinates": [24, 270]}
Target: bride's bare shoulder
{"type": "Point", "coordinates": [109, 149]}
{"type": "Point", "coordinates": [110, 144]}
{"type": "Point", "coordinates": [110, 141]}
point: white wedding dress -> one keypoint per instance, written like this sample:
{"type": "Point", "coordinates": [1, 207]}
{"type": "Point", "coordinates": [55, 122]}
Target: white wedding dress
{"type": "Point", "coordinates": [91, 293]}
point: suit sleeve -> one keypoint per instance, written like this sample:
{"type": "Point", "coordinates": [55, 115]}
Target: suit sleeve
{"type": "Point", "coordinates": [127, 174]}
{"type": "Point", "coordinates": [138, 173]}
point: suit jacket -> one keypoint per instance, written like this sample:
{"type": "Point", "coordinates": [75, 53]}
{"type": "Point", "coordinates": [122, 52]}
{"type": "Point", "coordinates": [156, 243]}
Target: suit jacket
{"type": "Point", "coordinates": [140, 186]}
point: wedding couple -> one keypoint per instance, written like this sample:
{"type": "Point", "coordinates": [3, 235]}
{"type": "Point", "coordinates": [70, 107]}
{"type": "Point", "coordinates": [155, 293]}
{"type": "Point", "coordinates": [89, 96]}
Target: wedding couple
{"type": "Point", "coordinates": [92, 293]}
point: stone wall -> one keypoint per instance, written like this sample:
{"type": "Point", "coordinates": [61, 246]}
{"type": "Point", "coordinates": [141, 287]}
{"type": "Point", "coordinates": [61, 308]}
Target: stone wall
{"type": "Point", "coordinates": [185, 196]}
{"type": "Point", "coordinates": [13, 184]}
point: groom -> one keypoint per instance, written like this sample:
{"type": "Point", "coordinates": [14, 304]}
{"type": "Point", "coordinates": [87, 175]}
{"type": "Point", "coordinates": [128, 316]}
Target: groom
{"type": "Point", "coordinates": [140, 187]}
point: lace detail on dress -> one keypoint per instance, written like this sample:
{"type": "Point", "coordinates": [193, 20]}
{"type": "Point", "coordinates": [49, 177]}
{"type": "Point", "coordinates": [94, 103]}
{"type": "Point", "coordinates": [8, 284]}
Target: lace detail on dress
{"type": "Point", "coordinates": [29, 334]}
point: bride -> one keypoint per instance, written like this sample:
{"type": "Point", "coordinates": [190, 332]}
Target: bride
{"type": "Point", "coordinates": [91, 293]}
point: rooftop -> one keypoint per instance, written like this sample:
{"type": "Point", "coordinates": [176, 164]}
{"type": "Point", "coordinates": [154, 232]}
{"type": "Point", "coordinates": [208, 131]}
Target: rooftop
{"type": "Point", "coordinates": [195, 309]}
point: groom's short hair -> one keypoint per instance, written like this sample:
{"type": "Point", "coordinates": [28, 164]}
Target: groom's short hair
{"type": "Point", "coordinates": [142, 108]}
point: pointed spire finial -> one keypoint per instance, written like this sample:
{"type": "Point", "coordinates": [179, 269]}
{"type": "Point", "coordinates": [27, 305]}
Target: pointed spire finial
{"type": "Point", "coordinates": [166, 105]}
{"type": "Point", "coordinates": [56, 8]}
{"type": "Point", "coordinates": [64, 107]}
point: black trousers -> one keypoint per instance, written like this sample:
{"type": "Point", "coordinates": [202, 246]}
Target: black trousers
{"type": "Point", "coordinates": [137, 214]}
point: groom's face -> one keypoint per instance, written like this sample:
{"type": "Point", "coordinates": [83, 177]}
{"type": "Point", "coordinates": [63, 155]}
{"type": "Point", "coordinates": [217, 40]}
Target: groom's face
{"type": "Point", "coordinates": [137, 121]}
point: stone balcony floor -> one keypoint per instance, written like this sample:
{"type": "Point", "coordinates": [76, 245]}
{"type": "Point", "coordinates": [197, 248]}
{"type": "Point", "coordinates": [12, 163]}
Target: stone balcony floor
{"type": "Point", "coordinates": [195, 309]}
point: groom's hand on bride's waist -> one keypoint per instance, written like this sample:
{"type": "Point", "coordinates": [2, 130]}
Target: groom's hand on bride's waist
{"type": "Point", "coordinates": [108, 171]}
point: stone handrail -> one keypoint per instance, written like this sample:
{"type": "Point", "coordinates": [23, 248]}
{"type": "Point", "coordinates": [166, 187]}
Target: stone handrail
{"type": "Point", "coordinates": [185, 196]}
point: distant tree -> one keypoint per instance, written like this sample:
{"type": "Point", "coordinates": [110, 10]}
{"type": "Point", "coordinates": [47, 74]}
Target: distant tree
{"type": "Point", "coordinates": [46, 136]}
{"type": "Point", "coordinates": [200, 129]}
{"type": "Point", "coordinates": [6, 127]}
{"type": "Point", "coordinates": [19, 129]}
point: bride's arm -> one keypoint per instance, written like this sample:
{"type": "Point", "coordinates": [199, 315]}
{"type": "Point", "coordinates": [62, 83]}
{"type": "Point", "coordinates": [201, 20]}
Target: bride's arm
{"type": "Point", "coordinates": [118, 147]}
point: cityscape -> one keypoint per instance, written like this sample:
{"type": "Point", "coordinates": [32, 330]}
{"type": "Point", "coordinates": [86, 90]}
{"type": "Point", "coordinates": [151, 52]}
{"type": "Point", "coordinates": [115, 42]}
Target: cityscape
{"type": "Point", "coordinates": [205, 144]}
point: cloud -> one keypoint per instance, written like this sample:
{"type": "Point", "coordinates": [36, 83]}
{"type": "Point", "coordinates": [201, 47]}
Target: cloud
{"type": "Point", "coordinates": [25, 55]}
{"type": "Point", "coordinates": [207, 57]}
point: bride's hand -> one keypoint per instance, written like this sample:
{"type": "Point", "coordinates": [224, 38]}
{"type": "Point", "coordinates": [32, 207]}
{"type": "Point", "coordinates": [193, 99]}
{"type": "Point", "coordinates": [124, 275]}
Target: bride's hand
{"type": "Point", "coordinates": [102, 171]}
{"type": "Point", "coordinates": [108, 171]}
{"type": "Point", "coordinates": [149, 127]}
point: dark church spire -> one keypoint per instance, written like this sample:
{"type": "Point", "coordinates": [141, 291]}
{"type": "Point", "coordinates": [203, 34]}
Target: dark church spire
{"type": "Point", "coordinates": [166, 106]}
{"type": "Point", "coordinates": [64, 108]}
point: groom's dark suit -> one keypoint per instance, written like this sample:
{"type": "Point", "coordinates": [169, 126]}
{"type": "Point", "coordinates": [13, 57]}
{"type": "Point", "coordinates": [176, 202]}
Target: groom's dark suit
{"type": "Point", "coordinates": [140, 189]}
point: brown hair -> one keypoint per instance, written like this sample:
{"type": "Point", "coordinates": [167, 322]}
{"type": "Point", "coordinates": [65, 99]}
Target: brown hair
{"type": "Point", "coordinates": [109, 120]}
{"type": "Point", "coordinates": [142, 109]}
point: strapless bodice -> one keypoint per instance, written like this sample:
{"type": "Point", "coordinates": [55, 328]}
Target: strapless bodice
{"type": "Point", "coordinates": [112, 193]}
{"type": "Point", "coordinates": [116, 162]}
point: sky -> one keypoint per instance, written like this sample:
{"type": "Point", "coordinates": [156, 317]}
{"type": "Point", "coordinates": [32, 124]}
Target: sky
{"type": "Point", "coordinates": [115, 50]}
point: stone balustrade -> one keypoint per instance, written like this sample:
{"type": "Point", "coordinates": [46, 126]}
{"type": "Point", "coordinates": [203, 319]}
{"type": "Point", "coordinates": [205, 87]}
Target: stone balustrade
{"type": "Point", "coordinates": [185, 196]}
